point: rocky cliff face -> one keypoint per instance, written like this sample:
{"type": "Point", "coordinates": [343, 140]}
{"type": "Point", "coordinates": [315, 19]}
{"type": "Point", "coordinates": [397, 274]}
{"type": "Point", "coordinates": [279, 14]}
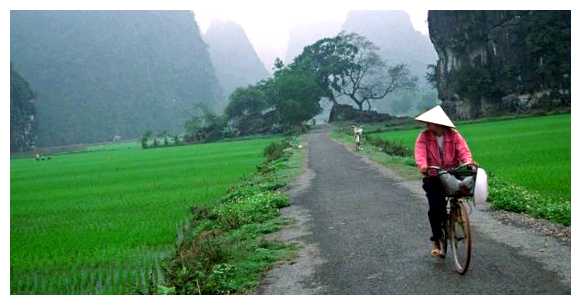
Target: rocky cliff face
{"type": "Point", "coordinates": [494, 62]}
{"type": "Point", "coordinates": [233, 57]}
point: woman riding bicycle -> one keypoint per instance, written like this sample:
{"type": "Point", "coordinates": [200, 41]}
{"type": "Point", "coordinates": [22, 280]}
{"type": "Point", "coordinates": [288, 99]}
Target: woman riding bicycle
{"type": "Point", "coordinates": [440, 145]}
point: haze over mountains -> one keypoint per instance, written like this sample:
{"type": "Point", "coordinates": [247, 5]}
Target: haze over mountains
{"type": "Point", "coordinates": [234, 58]}
{"type": "Point", "coordinates": [393, 33]}
{"type": "Point", "coordinates": [98, 74]}
{"type": "Point", "coordinates": [306, 34]}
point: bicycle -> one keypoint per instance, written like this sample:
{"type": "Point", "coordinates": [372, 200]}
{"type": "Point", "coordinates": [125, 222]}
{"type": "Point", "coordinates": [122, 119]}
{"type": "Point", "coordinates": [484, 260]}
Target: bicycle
{"type": "Point", "coordinates": [456, 226]}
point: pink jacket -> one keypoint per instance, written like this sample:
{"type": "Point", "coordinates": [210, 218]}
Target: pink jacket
{"type": "Point", "coordinates": [456, 150]}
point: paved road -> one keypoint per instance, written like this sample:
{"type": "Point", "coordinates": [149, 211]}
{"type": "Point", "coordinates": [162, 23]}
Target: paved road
{"type": "Point", "coordinates": [367, 233]}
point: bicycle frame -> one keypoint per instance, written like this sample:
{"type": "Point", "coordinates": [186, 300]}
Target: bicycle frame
{"type": "Point", "coordinates": [457, 213]}
{"type": "Point", "coordinates": [456, 220]}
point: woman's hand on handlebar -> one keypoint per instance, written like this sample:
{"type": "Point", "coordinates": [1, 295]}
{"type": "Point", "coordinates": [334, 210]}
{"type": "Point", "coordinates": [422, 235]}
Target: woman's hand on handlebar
{"type": "Point", "coordinates": [470, 165]}
{"type": "Point", "coordinates": [433, 171]}
{"type": "Point", "coordinates": [430, 171]}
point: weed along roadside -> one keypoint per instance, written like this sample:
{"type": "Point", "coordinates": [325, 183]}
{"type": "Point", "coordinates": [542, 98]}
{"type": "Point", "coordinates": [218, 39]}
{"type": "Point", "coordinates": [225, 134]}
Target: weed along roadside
{"type": "Point", "coordinates": [223, 250]}
{"type": "Point", "coordinates": [394, 150]}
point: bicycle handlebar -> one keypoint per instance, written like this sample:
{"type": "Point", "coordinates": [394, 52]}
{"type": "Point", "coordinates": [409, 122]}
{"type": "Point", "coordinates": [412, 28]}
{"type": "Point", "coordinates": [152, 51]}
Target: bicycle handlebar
{"type": "Point", "coordinates": [436, 170]}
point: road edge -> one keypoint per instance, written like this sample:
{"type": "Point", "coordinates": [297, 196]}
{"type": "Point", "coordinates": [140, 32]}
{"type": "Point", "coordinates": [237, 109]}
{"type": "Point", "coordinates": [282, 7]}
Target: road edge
{"type": "Point", "coordinates": [292, 277]}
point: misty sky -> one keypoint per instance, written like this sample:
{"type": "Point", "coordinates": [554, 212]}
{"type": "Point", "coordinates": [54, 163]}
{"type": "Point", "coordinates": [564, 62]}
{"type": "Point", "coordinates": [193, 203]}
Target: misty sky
{"type": "Point", "coordinates": [268, 26]}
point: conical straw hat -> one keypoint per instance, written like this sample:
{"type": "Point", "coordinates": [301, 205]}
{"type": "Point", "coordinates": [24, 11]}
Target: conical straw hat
{"type": "Point", "coordinates": [436, 115]}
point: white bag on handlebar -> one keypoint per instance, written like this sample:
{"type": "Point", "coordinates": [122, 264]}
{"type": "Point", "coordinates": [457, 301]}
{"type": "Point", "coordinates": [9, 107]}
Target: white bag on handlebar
{"type": "Point", "coordinates": [481, 187]}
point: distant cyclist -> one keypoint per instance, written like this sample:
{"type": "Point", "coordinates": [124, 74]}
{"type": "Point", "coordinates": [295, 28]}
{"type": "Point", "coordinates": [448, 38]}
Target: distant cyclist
{"type": "Point", "coordinates": [357, 136]}
{"type": "Point", "coordinates": [441, 145]}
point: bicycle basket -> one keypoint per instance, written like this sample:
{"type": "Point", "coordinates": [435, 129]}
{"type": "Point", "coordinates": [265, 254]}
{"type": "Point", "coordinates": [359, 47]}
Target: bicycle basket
{"type": "Point", "coordinates": [457, 187]}
{"type": "Point", "coordinates": [458, 183]}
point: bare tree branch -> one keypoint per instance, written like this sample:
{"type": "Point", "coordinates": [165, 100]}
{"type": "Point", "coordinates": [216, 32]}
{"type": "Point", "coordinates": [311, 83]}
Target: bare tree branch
{"type": "Point", "coordinates": [369, 78]}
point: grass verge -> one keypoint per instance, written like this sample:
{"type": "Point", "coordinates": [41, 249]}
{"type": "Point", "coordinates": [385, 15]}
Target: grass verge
{"type": "Point", "coordinates": [224, 249]}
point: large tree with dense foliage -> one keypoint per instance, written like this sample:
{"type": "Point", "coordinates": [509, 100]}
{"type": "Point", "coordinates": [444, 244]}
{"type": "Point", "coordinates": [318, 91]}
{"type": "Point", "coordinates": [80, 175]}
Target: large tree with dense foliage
{"type": "Point", "coordinates": [328, 59]}
{"type": "Point", "coordinates": [246, 101]}
{"type": "Point", "coordinates": [279, 103]}
{"type": "Point", "coordinates": [295, 96]}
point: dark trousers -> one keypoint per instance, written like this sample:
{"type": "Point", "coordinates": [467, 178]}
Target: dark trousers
{"type": "Point", "coordinates": [437, 203]}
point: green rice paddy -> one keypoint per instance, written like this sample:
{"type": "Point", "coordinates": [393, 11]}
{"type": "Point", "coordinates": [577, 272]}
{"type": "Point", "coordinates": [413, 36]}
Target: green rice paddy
{"type": "Point", "coordinates": [100, 221]}
{"type": "Point", "coordinates": [534, 153]}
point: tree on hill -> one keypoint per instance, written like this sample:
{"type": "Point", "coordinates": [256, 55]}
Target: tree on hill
{"type": "Point", "coordinates": [349, 65]}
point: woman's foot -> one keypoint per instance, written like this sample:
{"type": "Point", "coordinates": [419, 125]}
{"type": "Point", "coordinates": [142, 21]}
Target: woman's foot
{"type": "Point", "coordinates": [436, 249]}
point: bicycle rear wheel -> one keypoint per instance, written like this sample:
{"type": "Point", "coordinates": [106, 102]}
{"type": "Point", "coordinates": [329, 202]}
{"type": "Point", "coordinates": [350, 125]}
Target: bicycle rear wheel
{"type": "Point", "coordinates": [460, 237]}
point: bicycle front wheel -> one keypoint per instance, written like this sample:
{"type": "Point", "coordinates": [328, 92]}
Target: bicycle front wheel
{"type": "Point", "coordinates": [460, 237]}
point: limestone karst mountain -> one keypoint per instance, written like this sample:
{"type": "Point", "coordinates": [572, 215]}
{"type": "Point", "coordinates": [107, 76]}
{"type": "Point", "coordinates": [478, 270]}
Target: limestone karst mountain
{"type": "Point", "coordinates": [101, 74]}
{"type": "Point", "coordinates": [495, 62]}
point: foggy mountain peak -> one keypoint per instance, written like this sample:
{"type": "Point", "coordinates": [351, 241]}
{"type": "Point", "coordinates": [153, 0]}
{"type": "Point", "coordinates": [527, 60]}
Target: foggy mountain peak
{"type": "Point", "coordinates": [233, 56]}
{"type": "Point", "coordinates": [394, 34]}
{"type": "Point", "coordinates": [225, 28]}
{"type": "Point", "coordinates": [392, 21]}
{"type": "Point", "coordinates": [306, 34]}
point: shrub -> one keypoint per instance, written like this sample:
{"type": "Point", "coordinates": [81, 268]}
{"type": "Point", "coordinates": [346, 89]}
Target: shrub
{"type": "Point", "coordinates": [275, 150]}
{"type": "Point", "coordinates": [397, 149]}
{"type": "Point", "coordinates": [257, 207]}
{"type": "Point", "coordinates": [389, 147]}
{"type": "Point", "coordinates": [194, 261]}
{"type": "Point", "coordinates": [145, 138]}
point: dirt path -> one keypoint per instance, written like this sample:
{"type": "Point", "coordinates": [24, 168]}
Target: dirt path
{"type": "Point", "coordinates": [365, 231]}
